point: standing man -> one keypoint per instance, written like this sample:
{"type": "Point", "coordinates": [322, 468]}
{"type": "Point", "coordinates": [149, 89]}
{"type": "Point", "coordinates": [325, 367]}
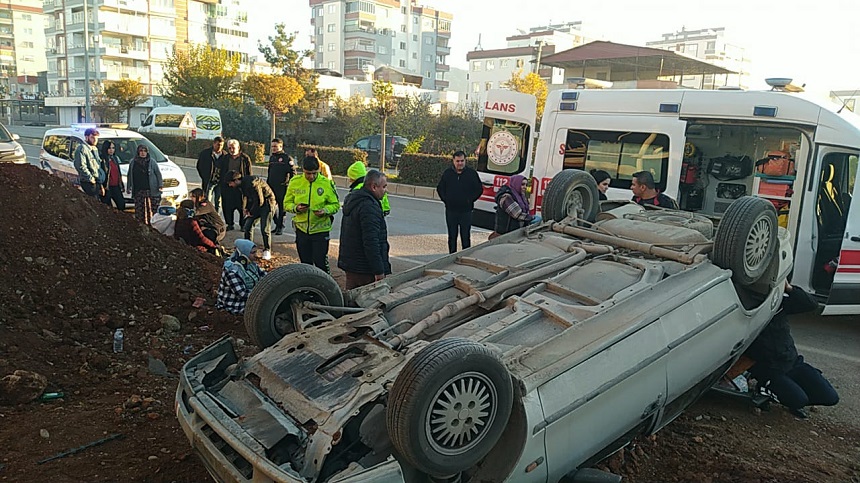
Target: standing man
{"type": "Point", "coordinates": [645, 191]}
{"type": "Point", "coordinates": [209, 169]}
{"type": "Point", "coordinates": [258, 204]}
{"type": "Point", "coordinates": [355, 174]}
{"type": "Point", "coordinates": [364, 246]}
{"type": "Point", "coordinates": [325, 169]}
{"type": "Point", "coordinates": [459, 188]}
{"type": "Point", "coordinates": [282, 168]}
{"type": "Point", "coordinates": [231, 198]}
{"type": "Point", "coordinates": [313, 198]}
{"type": "Point", "coordinates": [90, 173]}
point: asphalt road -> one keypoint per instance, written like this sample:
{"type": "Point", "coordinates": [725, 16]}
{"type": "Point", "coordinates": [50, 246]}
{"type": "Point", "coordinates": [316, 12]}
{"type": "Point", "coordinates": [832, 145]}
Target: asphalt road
{"type": "Point", "coordinates": [417, 234]}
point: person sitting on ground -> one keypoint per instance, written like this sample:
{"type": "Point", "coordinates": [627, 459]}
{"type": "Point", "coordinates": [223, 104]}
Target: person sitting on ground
{"type": "Point", "coordinates": [356, 173]}
{"type": "Point", "coordinates": [207, 216]}
{"type": "Point", "coordinates": [188, 230]}
{"type": "Point", "coordinates": [602, 178]}
{"type": "Point", "coordinates": [512, 210]}
{"type": "Point", "coordinates": [645, 191]}
{"type": "Point", "coordinates": [164, 219]}
{"type": "Point", "coordinates": [780, 369]}
{"type": "Point", "coordinates": [238, 278]}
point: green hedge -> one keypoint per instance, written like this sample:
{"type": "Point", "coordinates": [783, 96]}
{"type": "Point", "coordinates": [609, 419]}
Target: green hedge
{"type": "Point", "coordinates": [338, 159]}
{"type": "Point", "coordinates": [425, 169]}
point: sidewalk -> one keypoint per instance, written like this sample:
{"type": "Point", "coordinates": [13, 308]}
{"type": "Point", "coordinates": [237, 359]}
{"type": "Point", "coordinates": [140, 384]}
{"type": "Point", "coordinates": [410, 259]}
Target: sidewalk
{"type": "Point", "coordinates": [34, 134]}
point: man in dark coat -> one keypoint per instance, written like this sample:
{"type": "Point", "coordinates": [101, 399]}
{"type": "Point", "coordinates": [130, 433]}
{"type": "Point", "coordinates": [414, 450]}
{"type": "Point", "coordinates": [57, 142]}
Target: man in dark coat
{"type": "Point", "coordinates": [258, 205]}
{"type": "Point", "coordinates": [459, 188]}
{"type": "Point", "coordinates": [282, 167]}
{"type": "Point", "coordinates": [209, 169]}
{"type": "Point", "coordinates": [364, 246]}
{"type": "Point", "coordinates": [779, 367]}
{"type": "Point", "coordinates": [231, 198]}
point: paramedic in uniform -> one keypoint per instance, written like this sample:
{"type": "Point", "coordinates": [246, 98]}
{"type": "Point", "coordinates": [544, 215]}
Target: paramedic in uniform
{"type": "Point", "coordinates": [645, 191]}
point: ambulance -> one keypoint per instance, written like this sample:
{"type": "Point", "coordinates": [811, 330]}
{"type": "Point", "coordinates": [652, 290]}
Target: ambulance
{"type": "Point", "coordinates": [704, 149]}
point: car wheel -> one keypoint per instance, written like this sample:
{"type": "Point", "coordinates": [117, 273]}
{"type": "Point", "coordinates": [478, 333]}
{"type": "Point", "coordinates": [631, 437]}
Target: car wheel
{"type": "Point", "coordinates": [270, 312]}
{"type": "Point", "coordinates": [692, 221]}
{"type": "Point", "coordinates": [746, 239]}
{"type": "Point", "coordinates": [571, 193]}
{"type": "Point", "coordinates": [449, 406]}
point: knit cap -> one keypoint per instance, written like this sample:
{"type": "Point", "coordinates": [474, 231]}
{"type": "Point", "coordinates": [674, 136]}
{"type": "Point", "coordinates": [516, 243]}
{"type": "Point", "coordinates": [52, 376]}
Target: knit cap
{"type": "Point", "coordinates": [356, 170]}
{"type": "Point", "coordinates": [244, 246]}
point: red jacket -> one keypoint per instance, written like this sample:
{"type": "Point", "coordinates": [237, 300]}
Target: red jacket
{"type": "Point", "coordinates": [189, 230]}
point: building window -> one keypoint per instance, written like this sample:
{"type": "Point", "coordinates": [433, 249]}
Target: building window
{"type": "Point", "coordinates": [320, 48]}
{"type": "Point", "coordinates": [26, 16]}
{"type": "Point", "coordinates": [711, 46]}
{"type": "Point", "coordinates": [331, 47]}
{"type": "Point", "coordinates": [415, 55]}
{"type": "Point", "coordinates": [491, 64]}
{"type": "Point", "coordinates": [679, 48]}
{"type": "Point", "coordinates": [319, 30]}
{"type": "Point", "coordinates": [415, 37]}
{"type": "Point", "coordinates": [402, 45]}
{"type": "Point", "coordinates": [428, 40]}
{"type": "Point", "coordinates": [504, 63]}
{"type": "Point", "coordinates": [476, 65]}
{"type": "Point", "coordinates": [519, 63]}
{"type": "Point", "coordinates": [27, 45]}
{"type": "Point", "coordinates": [693, 50]}
{"type": "Point", "coordinates": [331, 65]}
{"type": "Point", "coordinates": [428, 74]}
{"type": "Point", "coordinates": [403, 10]}
{"type": "Point", "coordinates": [403, 28]}
{"type": "Point", "coordinates": [415, 20]}
{"type": "Point", "coordinates": [488, 86]}
{"type": "Point", "coordinates": [331, 27]}
{"type": "Point", "coordinates": [402, 63]}
{"type": "Point", "coordinates": [332, 8]}
{"type": "Point", "coordinates": [319, 12]}
{"type": "Point", "coordinates": [428, 58]}
{"type": "Point", "coordinates": [28, 31]}
{"type": "Point", "coordinates": [381, 49]}
{"type": "Point", "coordinates": [476, 87]}
{"type": "Point", "coordinates": [601, 76]}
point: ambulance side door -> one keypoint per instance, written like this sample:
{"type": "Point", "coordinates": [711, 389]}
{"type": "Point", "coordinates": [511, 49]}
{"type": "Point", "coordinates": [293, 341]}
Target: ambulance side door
{"type": "Point", "coordinates": [838, 185]}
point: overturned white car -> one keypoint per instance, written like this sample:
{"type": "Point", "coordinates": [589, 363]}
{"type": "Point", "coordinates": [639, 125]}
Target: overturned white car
{"type": "Point", "coordinates": [527, 358]}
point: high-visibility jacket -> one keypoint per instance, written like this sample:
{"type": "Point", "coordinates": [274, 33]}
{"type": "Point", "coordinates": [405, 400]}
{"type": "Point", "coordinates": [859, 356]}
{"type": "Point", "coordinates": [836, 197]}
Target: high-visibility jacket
{"type": "Point", "coordinates": [321, 194]}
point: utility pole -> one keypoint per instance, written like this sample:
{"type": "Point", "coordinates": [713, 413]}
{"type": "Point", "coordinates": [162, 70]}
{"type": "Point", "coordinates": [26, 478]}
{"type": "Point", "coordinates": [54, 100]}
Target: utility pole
{"type": "Point", "coordinates": [87, 105]}
{"type": "Point", "coordinates": [539, 51]}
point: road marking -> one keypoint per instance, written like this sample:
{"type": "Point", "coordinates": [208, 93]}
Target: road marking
{"type": "Point", "coordinates": [823, 352]}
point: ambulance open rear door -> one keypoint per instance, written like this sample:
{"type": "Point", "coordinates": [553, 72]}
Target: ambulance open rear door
{"type": "Point", "coordinates": [844, 295]}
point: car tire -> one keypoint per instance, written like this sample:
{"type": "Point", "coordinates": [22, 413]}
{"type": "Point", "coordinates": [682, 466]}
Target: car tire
{"type": "Point", "coordinates": [571, 192]}
{"type": "Point", "coordinates": [268, 313]}
{"type": "Point", "coordinates": [425, 429]}
{"type": "Point", "coordinates": [746, 239]}
{"type": "Point", "coordinates": [684, 219]}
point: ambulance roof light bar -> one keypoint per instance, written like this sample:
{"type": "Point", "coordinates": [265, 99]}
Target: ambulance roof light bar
{"type": "Point", "coordinates": [784, 84]}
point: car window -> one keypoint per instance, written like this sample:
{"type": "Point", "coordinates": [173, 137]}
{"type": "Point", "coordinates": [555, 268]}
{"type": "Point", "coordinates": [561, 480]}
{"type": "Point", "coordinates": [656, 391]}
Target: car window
{"type": "Point", "coordinates": [5, 137]}
{"type": "Point", "coordinates": [126, 149]}
{"type": "Point", "coordinates": [362, 144]}
{"type": "Point", "coordinates": [168, 120]}
{"type": "Point", "coordinates": [148, 120]}
{"type": "Point", "coordinates": [374, 143]}
{"type": "Point", "coordinates": [57, 146]}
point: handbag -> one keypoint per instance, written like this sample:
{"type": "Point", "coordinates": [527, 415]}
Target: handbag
{"type": "Point", "coordinates": [777, 163]}
{"type": "Point", "coordinates": [729, 168]}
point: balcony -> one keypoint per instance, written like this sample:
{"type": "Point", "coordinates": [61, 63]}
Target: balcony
{"type": "Point", "coordinates": [443, 50]}
{"type": "Point", "coordinates": [125, 52]}
{"type": "Point", "coordinates": [116, 73]}
{"type": "Point", "coordinates": [137, 27]}
{"type": "Point", "coordinates": [443, 67]}
{"type": "Point", "coordinates": [442, 84]}
{"type": "Point", "coordinates": [136, 5]}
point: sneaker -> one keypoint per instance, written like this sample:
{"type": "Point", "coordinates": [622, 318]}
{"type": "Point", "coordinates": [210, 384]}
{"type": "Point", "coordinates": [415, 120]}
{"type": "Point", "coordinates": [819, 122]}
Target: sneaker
{"type": "Point", "coordinates": [279, 231]}
{"type": "Point", "coordinates": [267, 254]}
{"type": "Point", "coordinates": [799, 413]}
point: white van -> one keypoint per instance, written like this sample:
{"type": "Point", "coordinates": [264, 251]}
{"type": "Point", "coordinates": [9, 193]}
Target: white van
{"type": "Point", "coordinates": [704, 149]}
{"type": "Point", "coordinates": [166, 120]}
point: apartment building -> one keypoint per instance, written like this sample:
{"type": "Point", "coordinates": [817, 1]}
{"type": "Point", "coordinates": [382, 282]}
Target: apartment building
{"type": "Point", "coordinates": [491, 69]}
{"type": "Point", "coordinates": [353, 36]}
{"type": "Point", "coordinates": [22, 47]}
{"type": "Point", "coordinates": [130, 39]}
{"type": "Point", "coordinates": [712, 46]}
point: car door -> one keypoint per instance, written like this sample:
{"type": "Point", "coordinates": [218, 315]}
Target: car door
{"type": "Point", "coordinates": [840, 188]}
{"type": "Point", "coordinates": [373, 151]}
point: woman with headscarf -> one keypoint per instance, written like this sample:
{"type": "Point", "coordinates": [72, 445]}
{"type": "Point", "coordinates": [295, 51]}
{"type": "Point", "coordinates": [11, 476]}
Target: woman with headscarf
{"type": "Point", "coordinates": [512, 211]}
{"type": "Point", "coordinates": [113, 181]}
{"type": "Point", "coordinates": [238, 278]}
{"type": "Point", "coordinates": [602, 178]}
{"type": "Point", "coordinates": [144, 184]}
{"type": "Point", "coordinates": [188, 230]}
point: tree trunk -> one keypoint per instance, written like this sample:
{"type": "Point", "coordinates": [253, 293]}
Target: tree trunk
{"type": "Point", "coordinates": [382, 146]}
{"type": "Point", "coordinates": [273, 125]}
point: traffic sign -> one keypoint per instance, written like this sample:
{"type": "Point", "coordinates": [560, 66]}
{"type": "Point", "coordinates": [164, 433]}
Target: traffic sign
{"type": "Point", "coordinates": [187, 122]}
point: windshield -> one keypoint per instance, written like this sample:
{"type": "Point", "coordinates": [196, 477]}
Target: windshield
{"type": "Point", "coordinates": [5, 137]}
{"type": "Point", "coordinates": [126, 148]}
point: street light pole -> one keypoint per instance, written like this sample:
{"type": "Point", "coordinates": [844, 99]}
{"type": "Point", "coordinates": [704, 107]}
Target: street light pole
{"type": "Point", "coordinates": [87, 106]}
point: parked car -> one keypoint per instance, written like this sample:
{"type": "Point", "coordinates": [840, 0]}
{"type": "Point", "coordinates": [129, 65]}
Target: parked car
{"type": "Point", "coordinates": [168, 119]}
{"type": "Point", "coordinates": [10, 150]}
{"type": "Point", "coordinates": [394, 149]}
{"type": "Point", "coordinates": [527, 358]}
{"type": "Point", "coordinates": [58, 150]}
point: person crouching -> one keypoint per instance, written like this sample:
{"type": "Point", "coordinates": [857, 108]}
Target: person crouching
{"type": "Point", "coordinates": [188, 230]}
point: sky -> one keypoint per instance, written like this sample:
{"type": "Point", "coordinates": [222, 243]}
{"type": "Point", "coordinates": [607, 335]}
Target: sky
{"type": "Point", "coordinates": [812, 42]}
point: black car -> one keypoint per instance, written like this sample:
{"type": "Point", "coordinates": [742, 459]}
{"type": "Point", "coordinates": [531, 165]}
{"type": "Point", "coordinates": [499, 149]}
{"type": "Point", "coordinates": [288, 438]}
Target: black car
{"type": "Point", "coordinates": [394, 148]}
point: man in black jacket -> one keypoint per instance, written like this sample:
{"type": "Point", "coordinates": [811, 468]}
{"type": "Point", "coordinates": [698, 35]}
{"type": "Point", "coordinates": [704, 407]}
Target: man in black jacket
{"type": "Point", "coordinates": [209, 169]}
{"type": "Point", "coordinates": [207, 216]}
{"type": "Point", "coordinates": [231, 198]}
{"type": "Point", "coordinates": [459, 188]}
{"type": "Point", "coordinates": [779, 367]}
{"type": "Point", "coordinates": [364, 247]}
{"type": "Point", "coordinates": [282, 167]}
{"type": "Point", "coordinates": [258, 205]}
